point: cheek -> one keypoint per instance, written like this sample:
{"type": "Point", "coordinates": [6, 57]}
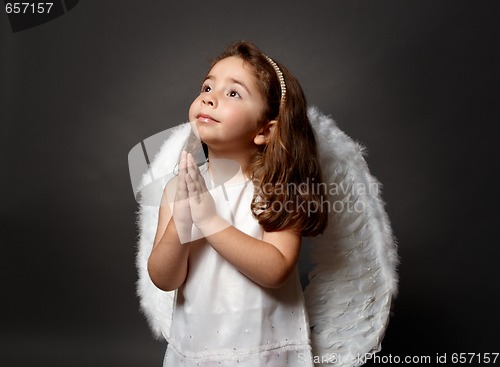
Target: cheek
{"type": "Point", "coordinates": [238, 113]}
{"type": "Point", "coordinates": [242, 120]}
{"type": "Point", "coordinates": [193, 110]}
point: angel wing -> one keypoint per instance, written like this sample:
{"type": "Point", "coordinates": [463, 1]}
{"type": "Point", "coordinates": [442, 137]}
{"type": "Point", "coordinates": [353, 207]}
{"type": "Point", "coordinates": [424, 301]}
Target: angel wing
{"type": "Point", "coordinates": [353, 278]}
{"type": "Point", "coordinates": [156, 304]}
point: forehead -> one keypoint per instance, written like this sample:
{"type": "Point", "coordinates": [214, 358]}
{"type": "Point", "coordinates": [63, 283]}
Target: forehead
{"type": "Point", "coordinates": [235, 68]}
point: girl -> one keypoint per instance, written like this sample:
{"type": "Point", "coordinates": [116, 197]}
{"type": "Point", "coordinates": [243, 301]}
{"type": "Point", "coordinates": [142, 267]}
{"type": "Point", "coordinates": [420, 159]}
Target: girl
{"type": "Point", "coordinates": [231, 249]}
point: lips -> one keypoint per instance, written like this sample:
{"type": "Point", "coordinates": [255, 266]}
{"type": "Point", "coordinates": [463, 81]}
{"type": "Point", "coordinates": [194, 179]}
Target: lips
{"type": "Point", "coordinates": [206, 118]}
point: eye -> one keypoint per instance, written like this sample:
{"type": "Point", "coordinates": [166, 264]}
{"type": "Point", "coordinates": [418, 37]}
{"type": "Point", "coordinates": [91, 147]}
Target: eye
{"type": "Point", "coordinates": [234, 94]}
{"type": "Point", "coordinates": [205, 88]}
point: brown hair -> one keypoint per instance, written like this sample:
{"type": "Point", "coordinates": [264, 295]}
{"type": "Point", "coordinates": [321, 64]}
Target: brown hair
{"type": "Point", "coordinates": [286, 167]}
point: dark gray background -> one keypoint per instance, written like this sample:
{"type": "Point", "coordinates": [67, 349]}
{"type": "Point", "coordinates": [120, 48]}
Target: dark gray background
{"type": "Point", "coordinates": [415, 81]}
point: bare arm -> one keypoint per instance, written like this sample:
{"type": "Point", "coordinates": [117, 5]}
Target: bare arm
{"type": "Point", "coordinates": [168, 262]}
{"type": "Point", "coordinates": [268, 262]}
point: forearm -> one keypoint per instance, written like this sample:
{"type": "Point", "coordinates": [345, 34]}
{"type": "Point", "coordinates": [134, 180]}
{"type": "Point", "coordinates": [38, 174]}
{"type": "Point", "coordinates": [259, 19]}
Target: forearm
{"type": "Point", "coordinates": [168, 262]}
{"type": "Point", "coordinates": [259, 260]}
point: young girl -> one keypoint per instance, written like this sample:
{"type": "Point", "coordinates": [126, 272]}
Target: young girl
{"type": "Point", "coordinates": [229, 243]}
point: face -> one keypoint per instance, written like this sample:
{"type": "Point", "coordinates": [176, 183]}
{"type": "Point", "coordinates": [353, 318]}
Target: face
{"type": "Point", "coordinates": [229, 109]}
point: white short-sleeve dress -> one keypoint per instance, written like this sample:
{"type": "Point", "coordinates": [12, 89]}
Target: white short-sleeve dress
{"type": "Point", "coordinates": [222, 318]}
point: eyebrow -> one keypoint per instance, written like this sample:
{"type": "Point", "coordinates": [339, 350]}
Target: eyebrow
{"type": "Point", "coordinates": [232, 80]}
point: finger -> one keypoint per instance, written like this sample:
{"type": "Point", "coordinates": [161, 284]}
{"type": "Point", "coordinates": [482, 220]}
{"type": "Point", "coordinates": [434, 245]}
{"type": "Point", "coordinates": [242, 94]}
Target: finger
{"type": "Point", "coordinates": [192, 167]}
{"type": "Point", "coordinates": [182, 169]}
{"type": "Point", "coordinates": [196, 175]}
{"type": "Point", "coordinates": [192, 189]}
{"type": "Point", "coordinates": [191, 164]}
{"type": "Point", "coordinates": [196, 179]}
{"type": "Point", "coordinates": [183, 163]}
{"type": "Point", "coordinates": [182, 190]}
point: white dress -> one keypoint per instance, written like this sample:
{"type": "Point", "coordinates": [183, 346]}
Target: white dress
{"type": "Point", "coordinates": [351, 284]}
{"type": "Point", "coordinates": [222, 318]}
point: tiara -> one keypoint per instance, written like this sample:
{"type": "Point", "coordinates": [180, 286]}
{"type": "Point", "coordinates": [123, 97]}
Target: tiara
{"type": "Point", "coordinates": [281, 79]}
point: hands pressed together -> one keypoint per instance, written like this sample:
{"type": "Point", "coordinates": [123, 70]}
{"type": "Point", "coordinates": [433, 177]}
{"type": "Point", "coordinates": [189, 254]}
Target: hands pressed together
{"type": "Point", "coordinates": [267, 261]}
{"type": "Point", "coordinates": [193, 202]}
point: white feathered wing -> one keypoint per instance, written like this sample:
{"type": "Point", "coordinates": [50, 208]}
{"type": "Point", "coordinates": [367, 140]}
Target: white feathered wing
{"type": "Point", "coordinates": [156, 304]}
{"type": "Point", "coordinates": [353, 278]}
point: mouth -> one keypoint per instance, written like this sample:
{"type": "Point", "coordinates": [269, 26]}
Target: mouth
{"type": "Point", "coordinates": [206, 118]}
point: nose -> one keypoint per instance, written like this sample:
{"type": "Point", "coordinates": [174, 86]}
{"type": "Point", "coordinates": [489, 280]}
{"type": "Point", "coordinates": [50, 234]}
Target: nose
{"type": "Point", "coordinates": [209, 99]}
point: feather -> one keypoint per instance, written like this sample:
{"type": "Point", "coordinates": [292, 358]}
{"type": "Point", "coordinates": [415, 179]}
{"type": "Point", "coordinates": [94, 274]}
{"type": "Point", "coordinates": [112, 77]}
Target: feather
{"type": "Point", "coordinates": [353, 278]}
{"type": "Point", "coordinates": [156, 304]}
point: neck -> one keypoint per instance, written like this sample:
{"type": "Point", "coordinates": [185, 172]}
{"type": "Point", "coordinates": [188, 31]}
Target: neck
{"type": "Point", "coordinates": [224, 161]}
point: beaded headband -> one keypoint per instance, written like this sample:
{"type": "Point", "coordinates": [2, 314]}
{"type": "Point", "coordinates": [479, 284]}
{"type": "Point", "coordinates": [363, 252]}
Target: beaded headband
{"type": "Point", "coordinates": [281, 79]}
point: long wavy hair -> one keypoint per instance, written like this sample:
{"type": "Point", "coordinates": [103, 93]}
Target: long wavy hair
{"type": "Point", "coordinates": [286, 173]}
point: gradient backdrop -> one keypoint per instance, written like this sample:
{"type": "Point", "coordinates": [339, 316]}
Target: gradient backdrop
{"type": "Point", "coordinates": [415, 81]}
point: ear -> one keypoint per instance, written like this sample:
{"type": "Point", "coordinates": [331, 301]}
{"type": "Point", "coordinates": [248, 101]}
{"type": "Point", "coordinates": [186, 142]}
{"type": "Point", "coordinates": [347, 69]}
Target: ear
{"type": "Point", "coordinates": [265, 133]}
